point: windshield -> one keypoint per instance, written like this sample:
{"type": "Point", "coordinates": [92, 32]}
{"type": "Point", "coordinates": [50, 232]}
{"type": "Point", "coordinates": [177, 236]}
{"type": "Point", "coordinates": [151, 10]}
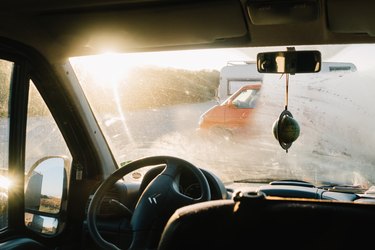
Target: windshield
{"type": "Point", "coordinates": [157, 103]}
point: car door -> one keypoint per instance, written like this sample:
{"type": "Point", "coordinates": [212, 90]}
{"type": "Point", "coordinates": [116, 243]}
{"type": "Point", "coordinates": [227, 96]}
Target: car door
{"type": "Point", "coordinates": [240, 107]}
{"type": "Point", "coordinates": [35, 161]}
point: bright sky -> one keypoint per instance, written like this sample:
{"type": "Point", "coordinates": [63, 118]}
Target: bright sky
{"type": "Point", "coordinates": [108, 63]}
{"type": "Point", "coordinates": [188, 59]}
{"type": "Point", "coordinates": [53, 176]}
{"type": "Point", "coordinates": [110, 67]}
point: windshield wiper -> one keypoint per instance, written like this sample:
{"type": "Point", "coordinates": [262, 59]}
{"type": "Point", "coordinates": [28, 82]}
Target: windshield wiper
{"type": "Point", "coordinates": [249, 180]}
{"type": "Point", "coordinates": [272, 181]}
{"type": "Point", "coordinates": [333, 187]}
{"type": "Point", "coordinates": [344, 188]}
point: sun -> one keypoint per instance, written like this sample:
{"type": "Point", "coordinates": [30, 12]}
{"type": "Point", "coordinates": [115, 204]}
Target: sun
{"type": "Point", "coordinates": [5, 182]}
{"type": "Point", "coordinates": [106, 69]}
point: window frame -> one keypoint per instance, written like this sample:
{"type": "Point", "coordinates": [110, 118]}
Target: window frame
{"type": "Point", "coordinates": [21, 75]}
{"type": "Point", "coordinates": [17, 135]}
{"type": "Point", "coordinates": [78, 126]}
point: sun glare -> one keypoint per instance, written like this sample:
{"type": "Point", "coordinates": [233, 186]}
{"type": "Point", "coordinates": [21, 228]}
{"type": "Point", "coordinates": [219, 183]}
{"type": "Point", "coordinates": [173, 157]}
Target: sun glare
{"type": "Point", "coordinates": [5, 182]}
{"type": "Point", "coordinates": [110, 68]}
{"type": "Point", "coordinates": [107, 68]}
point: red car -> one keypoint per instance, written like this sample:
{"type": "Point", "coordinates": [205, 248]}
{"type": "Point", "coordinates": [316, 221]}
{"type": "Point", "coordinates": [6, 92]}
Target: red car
{"type": "Point", "coordinates": [234, 112]}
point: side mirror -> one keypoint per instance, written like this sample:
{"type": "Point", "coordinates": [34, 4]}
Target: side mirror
{"type": "Point", "coordinates": [45, 193]}
{"type": "Point", "coordinates": [292, 62]}
{"type": "Point", "coordinates": [232, 104]}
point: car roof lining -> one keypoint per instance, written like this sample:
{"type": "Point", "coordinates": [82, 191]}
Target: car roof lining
{"type": "Point", "coordinates": [80, 27]}
{"type": "Point", "coordinates": [135, 29]}
{"type": "Point", "coordinates": [344, 17]}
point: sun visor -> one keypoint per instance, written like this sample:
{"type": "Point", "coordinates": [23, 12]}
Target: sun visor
{"type": "Point", "coordinates": [185, 24]}
{"type": "Point", "coordinates": [348, 16]}
{"type": "Point", "coordinates": [282, 12]}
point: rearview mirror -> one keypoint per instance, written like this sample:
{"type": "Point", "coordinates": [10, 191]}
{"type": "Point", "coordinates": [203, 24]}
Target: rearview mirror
{"type": "Point", "coordinates": [305, 61]}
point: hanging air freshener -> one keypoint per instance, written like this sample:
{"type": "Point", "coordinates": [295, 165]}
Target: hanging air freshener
{"type": "Point", "coordinates": [286, 129]}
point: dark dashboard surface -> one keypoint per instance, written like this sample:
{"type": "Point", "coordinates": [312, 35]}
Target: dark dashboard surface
{"type": "Point", "coordinates": [114, 221]}
{"type": "Point", "coordinates": [128, 194]}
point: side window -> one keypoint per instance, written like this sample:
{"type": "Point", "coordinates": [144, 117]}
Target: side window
{"type": "Point", "coordinates": [47, 166]}
{"type": "Point", "coordinates": [6, 68]}
{"type": "Point", "coordinates": [246, 99]}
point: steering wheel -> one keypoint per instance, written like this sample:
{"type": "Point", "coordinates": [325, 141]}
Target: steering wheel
{"type": "Point", "coordinates": [156, 204]}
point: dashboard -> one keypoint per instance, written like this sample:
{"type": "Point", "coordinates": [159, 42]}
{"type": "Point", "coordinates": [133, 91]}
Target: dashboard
{"type": "Point", "coordinates": [114, 223]}
{"type": "Point", "coordinates": [187, 183]}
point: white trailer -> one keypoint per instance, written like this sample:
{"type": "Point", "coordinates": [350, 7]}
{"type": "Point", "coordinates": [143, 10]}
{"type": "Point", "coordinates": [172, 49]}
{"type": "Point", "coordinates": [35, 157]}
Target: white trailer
{"type": "Point", "coordinates": [235, 75]}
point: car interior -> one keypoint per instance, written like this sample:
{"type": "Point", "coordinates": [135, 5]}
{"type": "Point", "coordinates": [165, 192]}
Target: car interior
{"type": "Point", "coordinates": [99, 208]}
